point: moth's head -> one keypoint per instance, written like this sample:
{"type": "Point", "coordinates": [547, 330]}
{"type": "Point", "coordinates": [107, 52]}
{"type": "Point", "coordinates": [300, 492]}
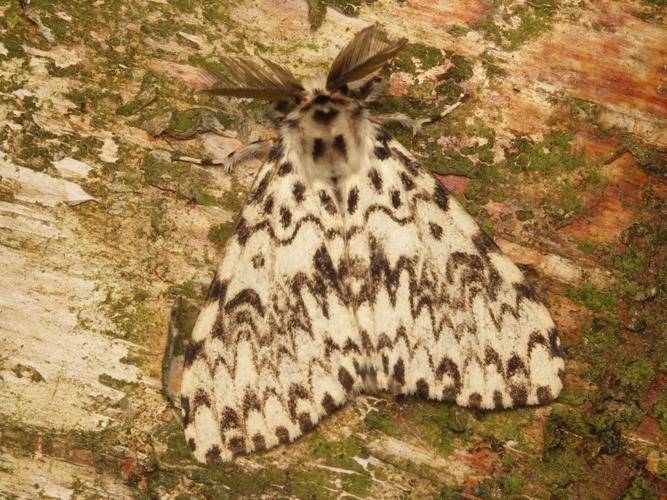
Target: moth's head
{"type": "Point", "coordinates": [349, 78]}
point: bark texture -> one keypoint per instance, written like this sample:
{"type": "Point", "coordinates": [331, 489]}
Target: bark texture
{"type": "Point", "coordinates": [559, 152]}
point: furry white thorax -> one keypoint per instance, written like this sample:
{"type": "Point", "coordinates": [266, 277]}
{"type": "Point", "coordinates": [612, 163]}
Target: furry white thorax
{"type": "Point", "coordinates": [331, 135]}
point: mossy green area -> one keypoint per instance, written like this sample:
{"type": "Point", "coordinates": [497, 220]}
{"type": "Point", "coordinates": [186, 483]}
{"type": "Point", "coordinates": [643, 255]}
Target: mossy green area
{"type": "Point", "coordinates": [532, 18]}
{"type": "Point", "coordinates": [161, 222]}
{"type": "Point", "coordinates": [220, 233]}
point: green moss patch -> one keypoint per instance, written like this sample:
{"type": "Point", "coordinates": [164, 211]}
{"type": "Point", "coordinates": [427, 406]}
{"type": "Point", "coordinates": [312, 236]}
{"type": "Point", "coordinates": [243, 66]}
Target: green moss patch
{"type": "Point", "coordinates": [415, 55]}
{"type": "Point", "coordinates": [534, 19]}
{"type": "Point", "coordinates": [220, 233]}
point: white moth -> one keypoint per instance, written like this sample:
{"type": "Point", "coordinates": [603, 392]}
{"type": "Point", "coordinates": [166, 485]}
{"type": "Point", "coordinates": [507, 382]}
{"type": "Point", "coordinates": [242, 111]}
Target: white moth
{"type": "Point", "coordinates": [352, 269]}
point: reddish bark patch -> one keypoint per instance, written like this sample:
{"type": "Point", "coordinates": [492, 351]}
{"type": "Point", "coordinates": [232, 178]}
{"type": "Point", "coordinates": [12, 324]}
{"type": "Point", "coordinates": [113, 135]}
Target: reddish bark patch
{"type": "Point", "coordinates": [499, 210]}
{"type": "Point", "coordinates": [81, 455]}
{"type": "Point", "coordinates": [649, 430]}
{"type": "Point", "coordinates": [569, 317]}
{"type": "Point", "coordinates": [608, 68]}
{"type": "Point", "coordinates": [481, 460]}
{"type": "Point", "coordinates": [127, 467]}
{"type": "Point", "coordinates": [453, 183]}
{"type": "Point", "coordinates": [574, 383]}
{"type": "Point", "coordinates": [613, 208]}
{"type": "Point", "coordinates": [524, 111]}
{"type": "Point", "coordinates": [654, 391]}
{"type": "Point", "coordinates": [609, 478]}
{"type": "Point", "coordinates": [594, 147]}
{"type": "Point", "coordinates": [442, 14]}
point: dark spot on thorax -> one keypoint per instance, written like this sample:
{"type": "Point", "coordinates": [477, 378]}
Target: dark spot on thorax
{"type": "Point", "coordinates": [340, 146]}
{"type": "Point", "coordinates": [325, 117]}
{"type": "Point", "coordinates": [318, 148]}
{"type": "Point", "coordinates": [281, 106]}
{"type": "Point", "coordinates": [292, 123]}
{"type": "Point", "coordinates": [258, 261]}
{"type": "Point", "coordinates": [285, 169]}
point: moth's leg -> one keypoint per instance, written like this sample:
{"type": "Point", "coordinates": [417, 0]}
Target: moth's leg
{"type": "Point", "coordinates": [446, 111]}
{"type": "Point", "coordinates": [402, 119]}
{"type": "Point", "coordinates": [374, 89]}
{"type": "Point", "coordinates": [416, 124]}
{"type": "Point", "coordinates": [255, 149]}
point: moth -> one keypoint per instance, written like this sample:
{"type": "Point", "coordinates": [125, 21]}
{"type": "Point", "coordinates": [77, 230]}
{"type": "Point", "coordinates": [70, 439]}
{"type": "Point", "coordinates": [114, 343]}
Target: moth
{"type": "Point", "coordinates": [352, 269]}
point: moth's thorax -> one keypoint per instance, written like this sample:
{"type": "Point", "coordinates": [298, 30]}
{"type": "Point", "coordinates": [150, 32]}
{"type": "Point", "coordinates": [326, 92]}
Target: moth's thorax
{"type": "Point", "coordinates": [329, 135]}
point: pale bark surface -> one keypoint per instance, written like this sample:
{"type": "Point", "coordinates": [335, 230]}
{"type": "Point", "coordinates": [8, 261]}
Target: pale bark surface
{"type": "Point", "coordinates": [559, 152]}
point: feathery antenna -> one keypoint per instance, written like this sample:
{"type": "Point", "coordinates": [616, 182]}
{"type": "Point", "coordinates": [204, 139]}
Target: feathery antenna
{"type": "Point", "coordinates": [249, 79]}
{"type": "Point", "coordinates": [365, 54]}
